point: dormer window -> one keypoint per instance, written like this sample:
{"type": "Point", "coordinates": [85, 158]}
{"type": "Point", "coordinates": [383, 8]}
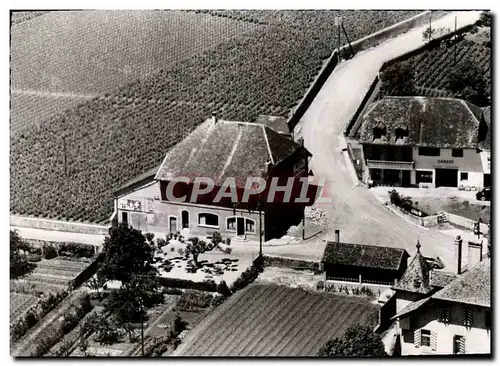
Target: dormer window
{"type": "Point", "coordinates": [401, 133]}
{"type": "Point", "coordinates": [378, 132]}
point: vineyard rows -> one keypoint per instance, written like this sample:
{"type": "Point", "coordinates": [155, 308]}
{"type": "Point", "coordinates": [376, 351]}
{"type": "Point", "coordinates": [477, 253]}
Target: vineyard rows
{"type": "Point", "coordinates": [98, 51]}
{"type": "Point", "coordinates": [432, 66]}
{"type": "Point", "coordinates": [273, 321]}
{"type": "Point", "coordinates": [19, 304]}
{"type": "Point", "coordinates": [117, 136]}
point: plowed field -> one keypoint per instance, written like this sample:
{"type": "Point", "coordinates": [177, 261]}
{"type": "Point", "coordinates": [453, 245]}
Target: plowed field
{"type": "Point", "coordinates": [275, 321]}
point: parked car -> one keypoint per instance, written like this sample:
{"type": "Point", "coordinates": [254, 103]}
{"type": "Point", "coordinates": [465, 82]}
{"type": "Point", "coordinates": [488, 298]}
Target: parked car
{"type": "Point", "coordinates": [484, 194]}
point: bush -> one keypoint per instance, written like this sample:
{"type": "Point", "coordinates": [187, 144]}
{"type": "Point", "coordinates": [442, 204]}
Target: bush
{"type": "Point", "coordinates": [50, 252]}
{"type": "Point", "coordinates": [217, 300]}
{"type": "Point", "coordinates": [34, 257]}
{"type": "Point", "coordinates": [70, 321]}
{"type": "Point", "coordinates": [245, 279]}
{"type": "Point", "coordinates": [188, 284]}
{"type": "Point", "coordinates": [192, 299]}
{"type": "Point", "coordinates": [223, 289]}
{"type": "Point", "coordinates": [172, 291]}
{"type": "Point", "coordinates": [78, 250]}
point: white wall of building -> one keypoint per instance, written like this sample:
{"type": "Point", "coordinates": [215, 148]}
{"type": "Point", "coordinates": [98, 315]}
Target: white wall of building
{"type": "Point", "coordinates": [477, 337]}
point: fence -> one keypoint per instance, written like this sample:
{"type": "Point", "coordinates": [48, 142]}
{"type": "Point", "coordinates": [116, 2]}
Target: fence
{"type": "Point", "coordinates": [58, 225]}
{"type": "Point", "coordinates": [466, 223]}
{"type": "Point", "coordinates": [282, 262]}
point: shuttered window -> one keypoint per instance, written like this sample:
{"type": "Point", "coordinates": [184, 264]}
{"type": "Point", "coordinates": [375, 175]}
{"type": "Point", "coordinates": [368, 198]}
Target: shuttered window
{"type": "Point", "coordinates": [445, 314]}
{"type": "Point", "coordinates": [416, 338]}
{"type": "Point", "coordinates": [433, 341]}
{"type": "Point", "coordinates": [459, 344]}
{"type": "Point", "coordinates": [467, 317]}
{"type": "Point", "coordinates": [425, 338]}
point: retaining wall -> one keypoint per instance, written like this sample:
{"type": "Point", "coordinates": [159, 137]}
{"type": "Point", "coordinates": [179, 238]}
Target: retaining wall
{"type": "Point", "coordinates": [57, 225]}
{"type": "Point", "coordinates": [345, 52]}
{"type": "Point", "coordinates": [354, 123]}
{"type": "Point", "coordinates": [465, 223]}
{"type": "Point", "coordinates": [282, 262]}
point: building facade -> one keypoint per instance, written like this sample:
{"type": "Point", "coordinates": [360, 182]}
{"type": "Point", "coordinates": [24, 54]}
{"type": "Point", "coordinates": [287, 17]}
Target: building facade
{"type": "Point", "coordinates": [222, 151]}
{"type": "Point", "coordinates": [425, 142]}
{"type": "Point", "coordinates": [445, 312]}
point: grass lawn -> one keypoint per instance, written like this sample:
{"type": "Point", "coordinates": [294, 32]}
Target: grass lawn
{"type": "Point", "coordinates": [432, 205]}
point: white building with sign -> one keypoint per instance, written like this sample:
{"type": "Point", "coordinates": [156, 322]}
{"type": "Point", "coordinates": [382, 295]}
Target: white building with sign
{"type": "Point", "coordinates": [425, 142]}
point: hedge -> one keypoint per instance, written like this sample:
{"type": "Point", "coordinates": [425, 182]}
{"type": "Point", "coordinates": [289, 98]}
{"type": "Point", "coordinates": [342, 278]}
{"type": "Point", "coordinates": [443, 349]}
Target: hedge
{"type": "Point", "coordinates": [188, 284]}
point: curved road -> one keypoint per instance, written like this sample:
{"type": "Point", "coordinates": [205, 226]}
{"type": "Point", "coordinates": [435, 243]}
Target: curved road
{"type": "Point", "coordinates": [360, 217]}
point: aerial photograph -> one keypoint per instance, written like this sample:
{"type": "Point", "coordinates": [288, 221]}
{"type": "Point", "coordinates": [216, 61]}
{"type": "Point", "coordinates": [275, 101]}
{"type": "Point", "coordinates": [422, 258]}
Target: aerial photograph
{"type": "Point", "coordinates": [283, 183]}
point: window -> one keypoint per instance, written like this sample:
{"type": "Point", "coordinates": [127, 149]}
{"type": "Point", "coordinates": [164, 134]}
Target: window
{"type": "Point", "coordinates": [425, 338]}
{"type": "Point", "coordinates": [125, 217]}
{"type": "Point", "coordinates": [231, 224]}
{"type": "Point", "coordinates": [208, 219]}
{"type": "Point", "coordinates": [459, 345]}
{"type": "Point", "coordinates": [151, 205]}
{"type": "Point", "coordinates": [445, 314]}
{"type": "Point", "coordinates": [467, 317]}
{"type": "Point", "coordinates": [401, 133]}
{"type": "Point", "coordinates": [464, 176]}
{"type": "Point", "coordinates": [429, 151]}
{"type": "Point", "coordinates": [250, 226]}
{"type": "Point", "coordinates": [457, 153]}
{"type": "Point", "coordinates": [378, 132]}
{"type": "Point", "coordinates": [423, 177]}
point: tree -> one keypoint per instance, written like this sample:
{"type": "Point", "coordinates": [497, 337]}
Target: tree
{"type": "Point", "coordinates": [129, 304]}
{"type": "Point", "coordinates": [484, 19]}
{"type": "Point", "coordinates": [126, 253]}
{"type": "Point", "coordinates": [195, 247]}
{"type": "Point", "coordinates": [358, 341]}
{"type": "Point", "coordinates": [467, 81]}
{"type": "Point", "coordinates": [19, 264]}
{"type": "Point", "coordinates": [95, 283]}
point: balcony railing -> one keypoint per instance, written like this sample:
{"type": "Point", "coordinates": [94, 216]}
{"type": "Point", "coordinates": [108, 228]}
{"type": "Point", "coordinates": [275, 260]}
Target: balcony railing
{"type": "Point", "coordinates": [396, 165]}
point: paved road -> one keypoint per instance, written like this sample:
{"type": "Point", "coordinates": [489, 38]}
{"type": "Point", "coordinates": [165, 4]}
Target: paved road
{"type": "Point", "coordinates": [355, 211]}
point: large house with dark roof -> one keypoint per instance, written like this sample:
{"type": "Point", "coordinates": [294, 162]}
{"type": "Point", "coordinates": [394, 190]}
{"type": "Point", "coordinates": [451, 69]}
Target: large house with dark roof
{"type": "Point", "coordinates": [222, 151]}
{"type": "Point", "coordinates": [441, 312]}
{"type": "Point", "coordinates": [421, 141]}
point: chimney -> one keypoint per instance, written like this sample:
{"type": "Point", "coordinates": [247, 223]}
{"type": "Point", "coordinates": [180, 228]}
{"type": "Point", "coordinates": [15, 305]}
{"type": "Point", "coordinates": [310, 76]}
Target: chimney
{"type": "Point", "coordinates": [269, 165]}
{"type": "Point", "coordinates": [214, 117]}
{"type": "Point", "coordinates": [475, 253]}
{"type": "Point", "coordinates": [458, 253]}
{"type": "Point", "coordinates": [337, 235]}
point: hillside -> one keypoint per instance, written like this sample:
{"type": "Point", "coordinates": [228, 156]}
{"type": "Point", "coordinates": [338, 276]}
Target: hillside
{"type": "Point", "coordinates": [275, 321]}
{"type": "Point", "coordinates": [114, 137]}
{"type": "Point", "coordinates": [432, 66]}
{"type": "Point", "coordinates": [60, 59]}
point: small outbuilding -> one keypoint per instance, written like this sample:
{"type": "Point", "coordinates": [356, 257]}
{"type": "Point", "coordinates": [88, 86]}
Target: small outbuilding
{"type": "Point", "coordinates": [361, 263]}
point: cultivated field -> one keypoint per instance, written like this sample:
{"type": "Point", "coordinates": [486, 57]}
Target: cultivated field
{"type": "Point", "coordinates": [432, 66]}
{"type": "Point", "coordinates": [115, 137]}
{"type": "Point", "coordinates": [92, 52]}
{"type": "Point", "coordinates": [54, 273]}
{"type": "Point", "coordinates": [271, 320]}
{"type": "Point", "coordinates": [19, 304]}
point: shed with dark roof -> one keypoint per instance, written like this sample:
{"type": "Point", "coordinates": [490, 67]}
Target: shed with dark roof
{"type": "Point", "coordinates": [363, 263]}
